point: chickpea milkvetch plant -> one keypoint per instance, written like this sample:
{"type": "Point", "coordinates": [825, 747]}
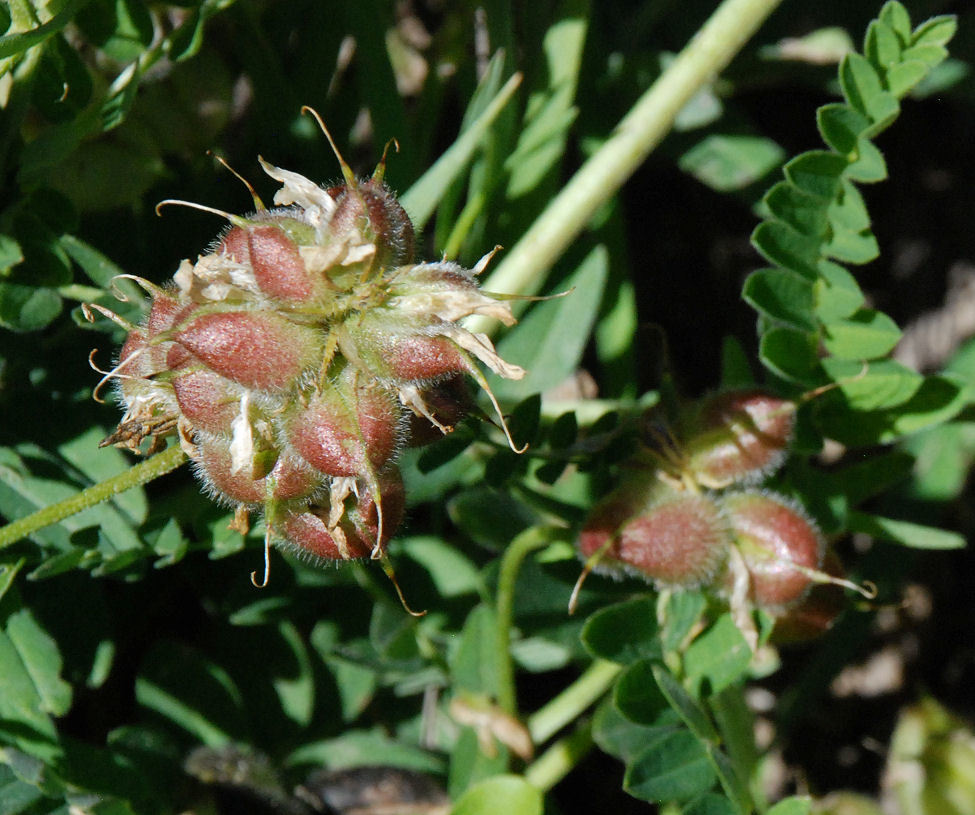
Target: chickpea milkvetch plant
{"type": "Point", "coordinates": [316, 371]}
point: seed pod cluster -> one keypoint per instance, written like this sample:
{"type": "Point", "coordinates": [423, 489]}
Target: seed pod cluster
{"type": "Point", "coordinates": [290, 357]}
{"type": "Point", "coordinates": [688, 512]}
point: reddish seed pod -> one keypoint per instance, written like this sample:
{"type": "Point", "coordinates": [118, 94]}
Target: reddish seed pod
{"type": "Point", "coordinates": [738, 436]}
{"type": "Point", "coordinates": [419, 358]}
{"type": "Point", "coordinates": [308, 533]}
{"type": "Point", "coordinates": [355, 536]}
{"type": "Point", "coordinates": [256, 349]}
{"type": "Point", "coordinates": [163, 313]}
{"type": "Point", "coordinates": [666, 535]}
{"type": "Point", "coordinates": [777, 541]}
{"type": "Point", "coordinates": [207, 400]}
{"type": "Point", "coordinates": [682, 540]}
{"type": "Point", "coordinates": [817, 612]}
{"type": "Point", "coordinates": [291, 479]}
{"type": "Point", "coordinates": [371, 209]}
{"type": "Point", "coordinates": [146, 397]}
{"type": "Point", "coordinates": [610, 515]}
{"type": "Point", "coordinates": [133, 361]}
{"type": "Point", "coordinates": [344, 426]}
{"type": "Point", "coordinates": [392, 497]}
{"type": "Point", "coordinates": [396, 354]}
{"type": "Point", "coordinates": [449, 402]}
{"type": "Point", "coordinates": [273, 258]}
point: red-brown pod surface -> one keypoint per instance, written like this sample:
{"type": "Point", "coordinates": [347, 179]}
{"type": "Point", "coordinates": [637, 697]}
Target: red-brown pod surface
{"type": "Point", "coordinates": [666, 535]}
{"type": "Point", "coordinates": [607, 518]}
{"type": "Point", "coordinates": [308, 534]}
{"type": "Point", "coordinates": [778, 542]}
{"type": "Point", "coordinates": [355, 536]}
{"type": "Point", "coordinates": [291, 479]}
{"type": "Point", "coordinates": [818, 610]}
{"type": "Point", "coordinates": [163, 312]}
{"type": "Point", "coordinates": [207, 400]}
{"type": "Point", "coordinates": [273, 258]}
{"type": "Point", "coordinates": [738, 436]}
{"type": "Point", "coordinates": [392, 498]}
{"type": "Point", "coordinates": [256, 349]}
{"type": "Point", "coordinates": [133, 360]}
{"type": "Point", "coordinates": [345, 429]}
{"type": "Point", "coordinates": [681, 540]}
{"type": "Point", "coordinates": [369, 208]}
{"type": "Point", "coordinates": [395, 354]}
{"type": "Point", "coordinates": [419, 358]}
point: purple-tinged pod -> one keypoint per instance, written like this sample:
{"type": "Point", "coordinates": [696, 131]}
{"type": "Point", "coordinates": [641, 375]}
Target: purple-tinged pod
{"type": "Point", "coordinates": [208, 401]}
{"type": "Point", "coordinates": [368, 212]}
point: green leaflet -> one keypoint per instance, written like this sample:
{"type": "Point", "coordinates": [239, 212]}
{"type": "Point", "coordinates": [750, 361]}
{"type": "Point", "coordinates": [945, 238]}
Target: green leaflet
{"type": "Point", "coordinates": [816, 220]}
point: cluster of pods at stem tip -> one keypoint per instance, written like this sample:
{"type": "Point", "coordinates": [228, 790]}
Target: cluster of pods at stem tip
{"type": "Point", "coordinates": [690, 512]}
{"type": "Point", "coordinates": [300, 354]}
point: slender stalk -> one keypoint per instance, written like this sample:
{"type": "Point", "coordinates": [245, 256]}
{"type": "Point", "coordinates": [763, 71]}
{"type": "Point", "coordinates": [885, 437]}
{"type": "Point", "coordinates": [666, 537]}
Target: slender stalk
{"type": "Point", "coordinates": [141, 473]}
{"type": "Point", "coordinates": [528, 541]}
{"type": "Point", "coordinates": [524, 268]}
{"type": "Point", "coordinates": [560, 759]}
{"type": "Point", "coordinates": [571, 702]}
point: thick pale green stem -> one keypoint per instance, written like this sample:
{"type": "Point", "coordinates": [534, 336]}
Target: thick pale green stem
{"type": "Point", "coordinates": [560, 759]}
{"type": "Point", "coordinates": [641, 130]}
{"type": "Point", "coordinates": [573, 701]}
{"type": "Point", "coordinates": [141, 473]}
{"type": "Point", "coordinates": [527, 542]}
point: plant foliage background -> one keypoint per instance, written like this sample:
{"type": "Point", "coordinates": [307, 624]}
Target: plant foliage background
{"type": "Point", "coordinates": [138, 664]}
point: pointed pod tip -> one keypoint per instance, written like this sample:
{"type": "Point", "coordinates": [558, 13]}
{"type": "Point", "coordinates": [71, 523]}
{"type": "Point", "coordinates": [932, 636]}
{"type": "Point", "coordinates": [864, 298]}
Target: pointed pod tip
{"type": "Point", "coordinates": [380, 172]}
{"type": "Point", "coordinates": [258, 203]}
{"type": "Point", "coordinates": [388, 569]}
{"type": "Point", "coordinates": [347, 173]}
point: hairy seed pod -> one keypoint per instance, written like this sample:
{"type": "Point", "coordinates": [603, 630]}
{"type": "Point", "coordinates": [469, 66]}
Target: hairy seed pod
{"type": "Point", "coordinates": [273, 258]}
{"type": "Point", "coordinates": [371, 210]}
{"type": "Point", "coordinates": [256, 349]}
{"type": "Point", "coordinates": [779, 543]}
{"type": "Point", "coordinates": [208, 401]}
{"type": "Point", "coordinates": [356, 533]}
{"type": "Point", "coordinates": [250, 483]}
{"type": "Point", "coordinates": [649, 529]}
{"type": "Point", "coordinates": [346, 428]}
{"type": "Point", "coordinates": [738, 437]}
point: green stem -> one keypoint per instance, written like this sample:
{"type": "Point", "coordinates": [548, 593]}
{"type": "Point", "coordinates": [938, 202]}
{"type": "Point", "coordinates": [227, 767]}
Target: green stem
{"type": "Point", "coordinates": [571, 702]}
{"type": "Point", "coordinates": [528, 541]}
{"type": "Point", "coordinates": [560, 759]}
{"type": "Point", "coordinates": [523, 269]}
{"type": "Point", "coordinates": [465, 221]}
{"type": "Point", "coordinates": [141, 473]}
